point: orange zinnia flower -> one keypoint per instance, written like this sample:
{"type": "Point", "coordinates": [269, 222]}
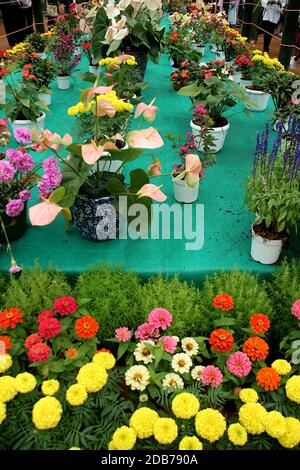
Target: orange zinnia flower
{"type": "Point", "coordinates": [256, 348]}
{"type": "Point", "coordinates": [223, 301]}
{"type": "Point", "coordinates": [86, 327]}
{"type": "Point", "coordinates": [221, 340]}
{"type": "Point", "coordinates": [9, 318]}
{"type": "Point", "coordinates": [260, 323]}
{"type": "Point", "coordinates": [268, 378]}
{"type": "Point", "coordinates": [71, 353]}
{"type": "Point", "coordinates": [7, 343]}
{"type": "Point", "coordinates": [102, 350]}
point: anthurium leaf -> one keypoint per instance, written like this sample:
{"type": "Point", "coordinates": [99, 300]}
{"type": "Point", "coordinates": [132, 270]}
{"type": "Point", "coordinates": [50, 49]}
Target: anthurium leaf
{"type": "Point", "coordinates": [57, 194]}
{"type": "Point", "coordinates": [189, 90]}
{"type": "Point", "coordinates": [99, 29]}
{"type": "Point", "coordinates": [138, 178]}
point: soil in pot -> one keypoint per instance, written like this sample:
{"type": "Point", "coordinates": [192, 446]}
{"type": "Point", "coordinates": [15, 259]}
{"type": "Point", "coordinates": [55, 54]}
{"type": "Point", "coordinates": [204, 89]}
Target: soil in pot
{"type": "Point", "coordinates": [94, 188]}
{"type": "Point", "coordinates": [269, 233]}
{"type": "Point", "coordinates": [15, 227]}
{"type": "Point", "coordinates": [220, 122]}
{"type": "Point", "coordinates": [255, 88]}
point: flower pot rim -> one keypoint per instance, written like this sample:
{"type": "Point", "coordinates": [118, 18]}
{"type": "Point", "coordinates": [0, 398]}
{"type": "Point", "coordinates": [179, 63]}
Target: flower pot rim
{"type": "Point", "coordinates": [23, 121]}
{"type": "Point", "coordinates": [211, 129]}
{"type": "Point", "coordinates": [267, 241]}
{"type": "Point", "coordinates": [63, 76]}
{"type": "Point", "coordinates": [256, 92]}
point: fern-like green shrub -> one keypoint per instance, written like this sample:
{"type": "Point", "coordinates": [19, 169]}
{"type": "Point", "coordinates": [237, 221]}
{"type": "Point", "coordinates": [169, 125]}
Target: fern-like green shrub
{"type": "Point", "coordinates": [249, 295]}
{"type": "Point", "coordinates": [116, 298]}
{"type": "Point", "coordinates": [35, 290]}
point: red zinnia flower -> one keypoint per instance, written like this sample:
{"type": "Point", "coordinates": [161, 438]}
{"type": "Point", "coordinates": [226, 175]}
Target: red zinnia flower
{"type": "Point", "coordinates": [221, 340]}
{"type": "Point", "coordinates": [39, 352]}
{"type": "Point", "coordinates": [103, 350]}
{"type": "Point", "coordinates": [32, 339]}
{"type": "Point", "coordinates": [223, 301]}
{"type": "Point", "coordinates": [256, 348]}
{"type": "Point", "coordinates": [268, 378]}
{"type": "Point", "coordinates": [45, 314]}
{"type": "Point", "coordinates": [9, 318]}
{"type": "Point", "coordinates": [86, 327]}
{"type": "Point", "coordinates": [260, 323]}
{"type": "Point", "coordinates": [49, 328]}
{"type": "Point", "coordinates": [65, 305]}
{"type": "Point", "coordinates": [7, 343]}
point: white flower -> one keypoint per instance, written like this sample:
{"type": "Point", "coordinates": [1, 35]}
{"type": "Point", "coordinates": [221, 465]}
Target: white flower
{"type": "Point", "coordinates": [196, 373]}
{"type": "Point", "coordinates": [142, 353]}
{"type": "Point", "coordinates": [190, 346]}
{"type": "Point", "coordinates": [153, 4]}
{"type": "Point", "coordinates": [137, 377]}
{"type": "Point", "coordinates": [111, 10]}
{"type": "Point", "coordinates": [143, 397]}
{"type": "Point", "coordinates": [172, 382]}
{"type": "Point", "coordinates": [116, 31]}
{"type": "Point", "coordinates": [181, 363]}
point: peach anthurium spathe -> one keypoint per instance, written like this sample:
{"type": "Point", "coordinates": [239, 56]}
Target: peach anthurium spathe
{"type": "Point", "coordinates": [152, 191]}
{"type": "Point", "coordinates": [105, 108]}
{"type": "Point", "coordinates": [191, 173]}
{"type": "Point", "coordinates": [146, 138]}
{"type": "Point", "coordinates": [148, 111]}
{"type": "Point", "coordinates": [154, 169]}
{"type": "Point", "coordinates": [44, 213]}
{"type": "Point", "coordinates": [116, 31]}
{"type": "Point", "coordinates": [48, 139]}
{"type": "Point", "coordinates": [92, 152]}
{"type": "Point", "coordinates": [99, 90]}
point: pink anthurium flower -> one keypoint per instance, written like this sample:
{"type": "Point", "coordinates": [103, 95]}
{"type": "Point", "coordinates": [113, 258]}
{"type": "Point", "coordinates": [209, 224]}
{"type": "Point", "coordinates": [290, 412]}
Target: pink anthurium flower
{"type": "Point", "coordinates": [92, 152]}
{"type": "Point", "coordinates": [152, 191]}
{"type": "Point", "coordinates": [124, 57]}
{"type": "Point", "coordinates": [146, 138]}
{"type": "Point", "coordinates": [99, 90]}
{"type": "Point", "coordinates": [191, 173]}
{"type": "Point", "coordinates": [154, 169]}
{"type": "Point", "coordinates": [148, 110]}
{"type": "Point", "coordinates": [105, 108]}
{"type": "Point", "coordinates": [48, 139]}
{"type": "Point", "coordinates": [44, 213]}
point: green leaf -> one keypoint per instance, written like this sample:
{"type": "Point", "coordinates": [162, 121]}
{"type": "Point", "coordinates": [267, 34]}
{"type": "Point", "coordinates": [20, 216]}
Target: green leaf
{"type": "Point", "coordinates": [158, 356]}
{"type": "Point", "coordinates": [115, 186]}
{"type": "Point", "coordinates": [224, 322]}
{"type": "Point", "coordinates": [57, 194]}
{"type": "Point", "coordinates": [123, 347]}
{"type": "Point", "coordinates": [189, 90]}
{"type": "Point", "coordinates": [99, 29]}
{"type": "Point", "coordinates": [138, 178]}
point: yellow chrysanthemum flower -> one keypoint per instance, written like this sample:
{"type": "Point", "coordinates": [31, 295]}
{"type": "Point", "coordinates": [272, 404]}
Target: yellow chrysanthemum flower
{"type": "Point", "coordinates": [25, 382]}
{"type": "Point", "coordinates": [142, 421]}
{"type": "Point", "coordinates": [210, 424]}
{"type": "Point", "coordinates": [131, 62]}
{"type": "Point", "coordinates": [2, 412]}
{"type": "Point", "coordinates": [237, 434]}
{"type": "Point", "coordinates": [292, 436]}
{"type": "Point", "coordinates": [105, 359]}
{"type": "Point", "coordinates": [165, 430]}
{"type": "Point", "coordinates": [111, 446]}
{"type": "Point", "coordinates": [275, 424]}
{"type": "Point", "coordinates": [50, 387]}
{"type": "Point", "coordinates": [74, 448]}
{"type": "Point", "coordinates": [281, 366]}
{"type": "Point", "coordinates": [108, 61]}
{"type": "Point", "coordinates": [257, 52]}
{"type": "Point", "coordinates": [124, 438]}
{"type": "Point", "coordinates": [292, 388]}
{"type": "Point", "coordinates": [72, 111]}
{"type": "Point", "coordinates": [76, 395]}
{"type": "Point", "coordinates": [5, 362]}
{"type": "Point", "coordinates": [248, 395]}
{"type": "Point", "coordinates": [253, 417]}
{"type": "Point", "coordinates": [46, 413]}
{"type": "Point", "coordinates": [92, 376]}
{"type": "Point", "coordinates": [190, 443]}
{"type": "Point", "coordinates": [8, 389]}
{"type": "Point", "coordinates": [185, 405]}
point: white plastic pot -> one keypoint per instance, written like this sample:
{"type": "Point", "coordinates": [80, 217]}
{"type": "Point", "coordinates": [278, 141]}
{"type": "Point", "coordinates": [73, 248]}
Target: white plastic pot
{"type": "Point", "coordinates": [220, 55]}
{"type": "Point", "coordinates": [63, 83]}
{"type": "Point", "coordinates": [260, 98]}
{"type": "Point", "coordinates": [46, 97]}
{"type": "Point", "coordinates": [38, 125]}
{"type": "Point", "coordinates": [94, 69]}
{"type": "Point", "coordinates": [265, 251]}
{"type": "Point", "coordinates": [245, 83]}
{"type": "Point", "coordinates": [200, 49]}
{"type": "Point", "coordinates": [183, 193]}
{"type": "Point", "coordinates": [42, 55]}
{"type": "Point", "coordinates": [218, 133]}
{"type": "Point", "coordinates": [237, 76]}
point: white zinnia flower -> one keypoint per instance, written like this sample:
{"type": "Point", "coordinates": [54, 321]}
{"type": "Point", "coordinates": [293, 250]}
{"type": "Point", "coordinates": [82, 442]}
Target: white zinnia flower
{"type": "Point", "coordinates": [142, 353]}
{"type": "Point", "coordinates": [196, 373]}
{"type": "Point", "coordinates": [137, 377]}
{"type": "Point", "coordinates": [190, 346]}
{"type": "Point", "coordinates": [172, 382]}
{"type": "Point", "coordinates": [181, 363]}
{"type": "Point", "coordinates": [143, 397]}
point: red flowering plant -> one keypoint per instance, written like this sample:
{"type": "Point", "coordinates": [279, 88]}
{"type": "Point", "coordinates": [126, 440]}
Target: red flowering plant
{"type": "Point", "coordinates": [178, 46]}
{"type": "Point", "coordinates": [243, 64]}
{"type": "Point", "coordinates": [40, 73]}
{"type": "Point", "coordinates": [188, 71]}
{"type": "Point", "coordinates": [86, 44]}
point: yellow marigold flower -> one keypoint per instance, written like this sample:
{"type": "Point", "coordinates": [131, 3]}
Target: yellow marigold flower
{"type": "Point", "coordinates": [248, 395]}
{"type": "Point", "coordinates": [76, 395]}
{"type": "Point", "coordinates": [237, 434]}
{"type": "Point", "coordinates": [92, 376]}
{"type": "Point", "coordinates": [105, 359]}
{"type": "Point", "coordinates": [275, 424]}
{"type": "Point", "coordinates": [190, 443]}
{"type": "Point", "coordinates": [124, 438]}
{"type": "Point", "coordinates": [8, 389]}
{"type": "Point", "coordinates": [111, 446]}
{"type": "Point", "coordinates": [210, 424]}
{"type": "Point", "coordinates": [142, 421]}
{"type": "Point", "coordinates": [292, 388]}
{"type": "Point", "coordinates": [46, 413]}
{"type": "Point", "coordinates": [253, 417]}
{"type": "Point", "coordinates": [292, 436]}
{"type": "Point", "coordinates": [74, 448]}
{"type": "Point", "coordinates": [281, 366]}
{"type": "Point", "coordinates": [109, 60]}
{"type": "Point", "coordinates": [50, 387]}
{"type": "Point", "coordinates": [25, 382]}
{"type": "Point", "coordinates": [5, 362]}
{"type": "Point", "coordinates": [185, 405]}
{"type": "Point", "coordinates": [165, 430]}
{"type": "Point", "coordinates": [2, 412]}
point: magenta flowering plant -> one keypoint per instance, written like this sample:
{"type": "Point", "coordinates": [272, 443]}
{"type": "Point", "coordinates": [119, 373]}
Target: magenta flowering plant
{"type": "Point", "coordinates": [64, 53]}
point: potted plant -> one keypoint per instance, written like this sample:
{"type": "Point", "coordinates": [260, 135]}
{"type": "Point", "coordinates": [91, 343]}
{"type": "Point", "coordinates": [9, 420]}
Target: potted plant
{"type": "Point", "coordinates": [86, 45]}
{"type": "Point", "coordinates": [272, 193]}
{"type": "Point", "coordinates": [40, 73]}
{"type": "Point", "coordinates": [39, 43]}
{"type": "Point", "coordinates": [242, 66]}
{"type": "Point", "coordinates": [65, 58]}
{"type": "Point", "coordinates": [188, 72]}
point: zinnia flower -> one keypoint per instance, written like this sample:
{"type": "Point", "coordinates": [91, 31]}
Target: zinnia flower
{"type": "Point", "coordinates": [169, 343]}
{"type": "Point", "coordinates": [296, 309]}
{"type": "Point", "coordinates": [123, 334]}
{"type": "Point", "coordinates": [181, 363]}
{"type": "Point", "coordinates": [260, 323]}
{"type": "Point", "coordinates": [190, 346]}
{"type": "Point", "coordinates": [160, 318]}
{"type": "Point", "coordinates": [146, 331]}
{"type": "Point", "coordinates": [143, 353]}
{"type": "Point", "coordinates": [223, 301]}
{"type": "Point", "coordinates": [9, 318]}
{"type": "Point", "coordinates": [71, 353]}
{"type": "Point", "coordinates": [86, 327]}
{"type": "Point", "coordinates": [256, 348]}
{"type": "Point", "coordinates": [45, 314]}
{"type": "Point", "coordinates": [268, 379]}
{"type": "Point", "coordinates": [6, 342]}
{"type": "Point", "coordinates": [39, 352]}
{"type": "Point", "coordinates": [49, 328]}
{"type": "Point", "coordinates": [32, 339]}
{"type": "Point", "coordinates": [239, 364]}
{"type": "Point", "coordinates": [211, 375]}
{"type": "Point", "coordinates": [197, 373]}
{"type": "Point", "coordinates": [137, 377]}
{"type": "Point", "coordinates": [65, 305]}
{"type": "Point", "coordinates": [221, 340]}
{"type": "Point", "coordinates": [172, 382]}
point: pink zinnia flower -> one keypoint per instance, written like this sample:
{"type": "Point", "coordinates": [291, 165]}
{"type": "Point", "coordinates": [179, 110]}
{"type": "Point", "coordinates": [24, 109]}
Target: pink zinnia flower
{"type": "Point", "coordinates": [44, 315]}
{"type": "Point", "coordinates": [123, 334]}
{"type": "Point", "coordinates": [65, 305]}
{"type": "Point", "coordinates": [32, 339]}
{"type": "Point", "coordinates": [146, 331]}
{"type": "Point", "coordinates": [296, 309]}
{"type": "Point", "coordinates": [160, 318]}
{"type": "Point", "coordinates": [239, 364]}
{"type": "Point", "coordinates": [169, 343]}
{"type": "Point", "coordinates": [211, 375]}
{"type": "Point", "coordinates": [49, 328]}
{"type": "Point", "coordinates": [237, 390]}
{"type": "Point", "coordinates": [39, 352]}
